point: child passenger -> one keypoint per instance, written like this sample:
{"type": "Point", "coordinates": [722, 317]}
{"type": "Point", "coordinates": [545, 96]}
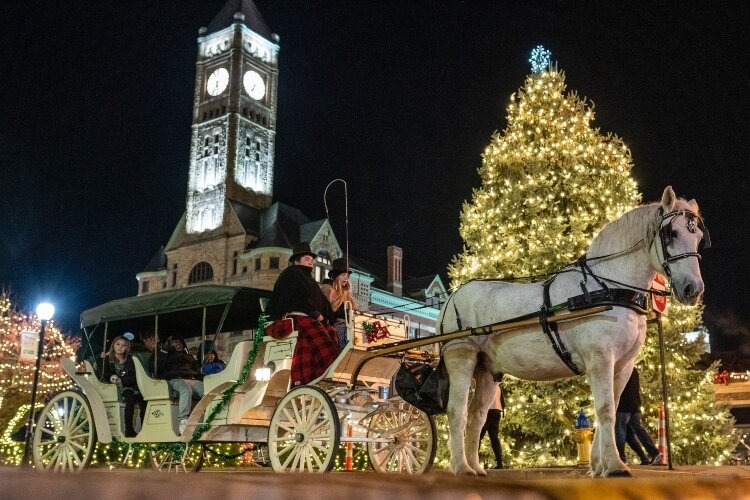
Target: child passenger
{"type": "Point", "coordinates": [213, 363]}
{"type": "Point", "coordinates": [120, 370]}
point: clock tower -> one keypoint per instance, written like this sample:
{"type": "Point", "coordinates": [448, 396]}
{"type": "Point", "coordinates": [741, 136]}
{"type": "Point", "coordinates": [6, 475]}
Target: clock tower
{"type": "Point", "coordinates": [234, 117]}
{"type": "Point", "coordinates": [231, 233]}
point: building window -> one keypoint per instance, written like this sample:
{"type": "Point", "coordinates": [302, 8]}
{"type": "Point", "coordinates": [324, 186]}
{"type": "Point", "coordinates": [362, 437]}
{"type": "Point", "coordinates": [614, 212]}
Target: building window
{"type": "Point", "coordinates": [274, 263]}
{"type": "Point", "coordinates": [200, 273]}
{"type": "Point", "coordinates": [234, 263]}
{"type": "Point", "coordinates": [174, 276]}
{"type": "Point", "coordinates": [144, 287]}
{"type": "Point", "coordinates": [257, 264]}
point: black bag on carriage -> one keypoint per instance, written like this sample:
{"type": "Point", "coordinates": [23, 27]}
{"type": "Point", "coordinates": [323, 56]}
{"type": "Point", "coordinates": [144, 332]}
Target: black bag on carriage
{"type": "Point", "coordinates": [424, 387]}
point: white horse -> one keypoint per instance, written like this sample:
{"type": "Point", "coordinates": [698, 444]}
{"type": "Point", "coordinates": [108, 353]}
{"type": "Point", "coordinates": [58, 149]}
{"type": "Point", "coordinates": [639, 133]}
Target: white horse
{"type": "Point", "coordinates": [657, 238]}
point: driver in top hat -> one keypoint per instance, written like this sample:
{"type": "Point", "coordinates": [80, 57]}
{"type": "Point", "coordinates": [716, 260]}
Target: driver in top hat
{"type": "Point", "coordinates": [296, 294]}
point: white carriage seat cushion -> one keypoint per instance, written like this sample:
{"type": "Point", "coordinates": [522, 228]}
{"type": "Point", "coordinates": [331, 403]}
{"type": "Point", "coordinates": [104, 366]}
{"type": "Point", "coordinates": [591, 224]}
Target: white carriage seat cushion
{"type": "Point", "coordinates": [107, 391]}
{"type": "Point", "coordinates": [234, 367]}
{"type": "Point", "coordinates": [150, 388]}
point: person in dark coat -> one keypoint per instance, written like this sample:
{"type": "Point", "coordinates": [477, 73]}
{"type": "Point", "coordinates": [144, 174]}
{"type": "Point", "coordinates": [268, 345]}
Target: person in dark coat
{"type": "Point", "coordinates": [492, 426]}
{"type": "Point", "coordinates": [628, 419]}
{"type": "Point", "coordinates": [296, 294]}
{"type": "Point", "coordinates": [181, 370]}
{"type": "Point", "coordinates": [118, 369]}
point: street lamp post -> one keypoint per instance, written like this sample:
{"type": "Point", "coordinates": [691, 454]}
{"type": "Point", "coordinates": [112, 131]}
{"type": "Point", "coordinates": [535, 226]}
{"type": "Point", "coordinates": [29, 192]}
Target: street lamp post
{"type": "Point", "coordinates": [44, 312]}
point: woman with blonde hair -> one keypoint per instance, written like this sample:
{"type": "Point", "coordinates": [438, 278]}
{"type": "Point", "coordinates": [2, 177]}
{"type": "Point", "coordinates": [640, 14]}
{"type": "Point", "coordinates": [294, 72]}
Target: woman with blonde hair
{"type": "Point", "coordinates": [119, 369]}
{"type": "Point", "coordinates": [339, 294]}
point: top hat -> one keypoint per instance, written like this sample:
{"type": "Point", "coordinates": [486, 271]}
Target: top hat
{"type": "Point", "coordinates": [300, 249]}
{"type": "Point", "coordinates": [338, 266]}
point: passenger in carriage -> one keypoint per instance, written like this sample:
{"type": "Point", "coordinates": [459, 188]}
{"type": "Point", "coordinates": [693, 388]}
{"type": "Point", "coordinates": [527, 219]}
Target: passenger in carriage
{"type": "Point", "coordinates": [297, 294]}
{"type": "Point", "coordinates": [213, 364]}
{"type": "Point", "coordinates": [119, 369]}
{"type": "Point", "coordinates": [144, 350]}
{"type": "Point", "coordinates": [181, 370]}
{"type": "Point", "coordinates": [339, 294]}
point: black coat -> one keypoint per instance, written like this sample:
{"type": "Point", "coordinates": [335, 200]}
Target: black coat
{"type": "Point", "coordinates": [296, 290]}
{"type": "Point", "coordinates": [630, 400]}
{"type": "Point", "coordinates": [173, 364]}
{"type": "Point", "coordinates": [127, 375]}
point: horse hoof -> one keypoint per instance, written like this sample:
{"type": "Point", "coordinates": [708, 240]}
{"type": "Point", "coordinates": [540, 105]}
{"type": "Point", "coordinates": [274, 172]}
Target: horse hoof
{"type": "Point", "coordinates": [465, 471]}
{"type": "Point", "coordinates": [620, 473]}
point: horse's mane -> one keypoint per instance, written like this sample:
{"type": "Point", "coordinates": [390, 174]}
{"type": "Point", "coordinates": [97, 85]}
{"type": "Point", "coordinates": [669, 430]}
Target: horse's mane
{"type": "Point", "coordinates": [624, 232]}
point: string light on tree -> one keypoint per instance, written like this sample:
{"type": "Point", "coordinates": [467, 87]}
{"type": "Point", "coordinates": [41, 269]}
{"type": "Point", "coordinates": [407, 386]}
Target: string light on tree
{"type": "Point", "coordinates": [540, 59]}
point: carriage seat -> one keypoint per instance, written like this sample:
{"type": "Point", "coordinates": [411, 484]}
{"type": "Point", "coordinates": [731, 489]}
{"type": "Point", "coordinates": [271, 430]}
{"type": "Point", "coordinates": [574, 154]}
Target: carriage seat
{"type": "Point", "coordinates": [233, 370]}
{"type": "Point", "coordinates": [107, 391]}
{"type": "Point", "coordinates": [150, 388]}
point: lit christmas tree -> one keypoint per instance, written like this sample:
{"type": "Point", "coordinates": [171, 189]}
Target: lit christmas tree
{"type": "Point", "coordinates": [549, 182]}
{"type": "Point", "coordinates": [16, 377]}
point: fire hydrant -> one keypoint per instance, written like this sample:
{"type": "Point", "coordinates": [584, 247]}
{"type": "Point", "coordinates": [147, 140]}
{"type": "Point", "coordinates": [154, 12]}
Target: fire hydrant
{"type": "Point", "coordinates": [583, 437]}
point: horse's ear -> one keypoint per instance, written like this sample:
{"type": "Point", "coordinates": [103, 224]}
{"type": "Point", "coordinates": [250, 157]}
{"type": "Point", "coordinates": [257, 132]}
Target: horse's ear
{"type": "Point", "coordinates": [693, 204]}
{"type": "Point", "coordinates": [668, 199]}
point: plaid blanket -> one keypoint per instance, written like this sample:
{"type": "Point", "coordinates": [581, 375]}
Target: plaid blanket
{"type": "Point", "coordinates": [317, 347]}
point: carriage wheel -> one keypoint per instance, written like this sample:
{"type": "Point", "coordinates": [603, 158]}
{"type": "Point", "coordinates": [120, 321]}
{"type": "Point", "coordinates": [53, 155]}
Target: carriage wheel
{"type": "Point", "coordinates": [413, 440]}
{"type": "Point", "coordinates": [65, 434]}
{"type": "Point", "coordinates": [304, 432]}
{"type": "Point", "coordinates": [176, 457]}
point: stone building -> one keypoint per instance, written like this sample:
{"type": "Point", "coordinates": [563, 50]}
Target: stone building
{"type": "Point", "coordinates": [232, 232]}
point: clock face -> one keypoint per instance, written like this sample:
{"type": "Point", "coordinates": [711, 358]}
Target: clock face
{"type": "Point", "coordinates": [217, 81]}
{"type": "Point", "coordinates": [254, 85]}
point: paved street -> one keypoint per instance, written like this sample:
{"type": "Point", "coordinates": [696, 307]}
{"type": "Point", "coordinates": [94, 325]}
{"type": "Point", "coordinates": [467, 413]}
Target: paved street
{"type": "Point", "coordinates": [566, 483]}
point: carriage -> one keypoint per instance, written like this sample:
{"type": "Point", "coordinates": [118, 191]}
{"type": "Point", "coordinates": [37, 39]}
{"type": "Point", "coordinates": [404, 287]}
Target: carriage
{"type": "Point", "coordinates": [598, 332]}
{"type": "Point", "coordinates": [250, 401]}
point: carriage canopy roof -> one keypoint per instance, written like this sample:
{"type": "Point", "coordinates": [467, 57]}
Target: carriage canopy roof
{"type": "Point", "coordinates": [244, 306]}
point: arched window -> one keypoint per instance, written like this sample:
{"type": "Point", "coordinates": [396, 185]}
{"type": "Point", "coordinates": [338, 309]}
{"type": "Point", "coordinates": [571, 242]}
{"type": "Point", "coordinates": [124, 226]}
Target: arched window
{"type": "Point", "coordinates": [200, 273]}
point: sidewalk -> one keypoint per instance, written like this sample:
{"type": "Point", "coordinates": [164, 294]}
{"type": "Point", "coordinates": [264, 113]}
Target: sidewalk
{"type": "Point", "coordinates": [638, 471]}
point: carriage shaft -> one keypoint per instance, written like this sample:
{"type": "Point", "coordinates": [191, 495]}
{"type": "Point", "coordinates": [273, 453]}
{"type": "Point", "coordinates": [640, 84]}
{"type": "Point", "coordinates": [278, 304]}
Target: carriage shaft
{"type": "Point", "coordinates": [385, 349]}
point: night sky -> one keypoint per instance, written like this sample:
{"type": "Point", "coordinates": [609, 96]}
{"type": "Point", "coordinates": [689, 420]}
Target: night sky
{"type": "Point", "coordinates": [397, 98]}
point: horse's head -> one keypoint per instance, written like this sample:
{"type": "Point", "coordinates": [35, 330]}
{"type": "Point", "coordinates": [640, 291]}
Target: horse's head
{"type": "Point", "coordinates": [679, 234]}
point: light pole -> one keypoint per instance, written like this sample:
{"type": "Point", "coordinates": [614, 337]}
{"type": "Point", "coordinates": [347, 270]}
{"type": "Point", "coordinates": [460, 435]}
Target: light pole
{"type": "Point", "coordinates": [44, 312]}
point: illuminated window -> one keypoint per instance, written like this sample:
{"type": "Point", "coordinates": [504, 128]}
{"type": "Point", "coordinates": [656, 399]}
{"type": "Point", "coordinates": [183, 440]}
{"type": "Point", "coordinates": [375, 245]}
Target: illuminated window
{"type": "Point", "coordinates": [200, 273]}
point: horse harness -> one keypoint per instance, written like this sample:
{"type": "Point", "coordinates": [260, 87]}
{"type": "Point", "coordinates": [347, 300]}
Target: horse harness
{"type": "Point", "coordinates": [632, 297]}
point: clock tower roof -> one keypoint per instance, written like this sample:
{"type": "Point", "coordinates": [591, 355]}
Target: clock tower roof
{"type": "Point", "coordinates": [252, 19]}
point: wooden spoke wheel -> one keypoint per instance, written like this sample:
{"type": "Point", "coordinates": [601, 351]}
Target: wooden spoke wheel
{"type": "Point", "coordinates": [174, 457]}
{"type": "Point", "coordinates": [65, 435]}
{"type": "Point", "coordinates": [411, 439]}
{"type": "Point", "coordinates": [304, 432]}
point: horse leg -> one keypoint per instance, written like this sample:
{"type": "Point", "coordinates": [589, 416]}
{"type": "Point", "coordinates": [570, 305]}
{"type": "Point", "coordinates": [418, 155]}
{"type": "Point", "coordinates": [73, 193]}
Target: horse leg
{"type": "Point", "coordinates": [484, 392]}
{"type": "Point", "coordinates": [460, 360]}
{"type": "Point", "coordinates": [605, 460]}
